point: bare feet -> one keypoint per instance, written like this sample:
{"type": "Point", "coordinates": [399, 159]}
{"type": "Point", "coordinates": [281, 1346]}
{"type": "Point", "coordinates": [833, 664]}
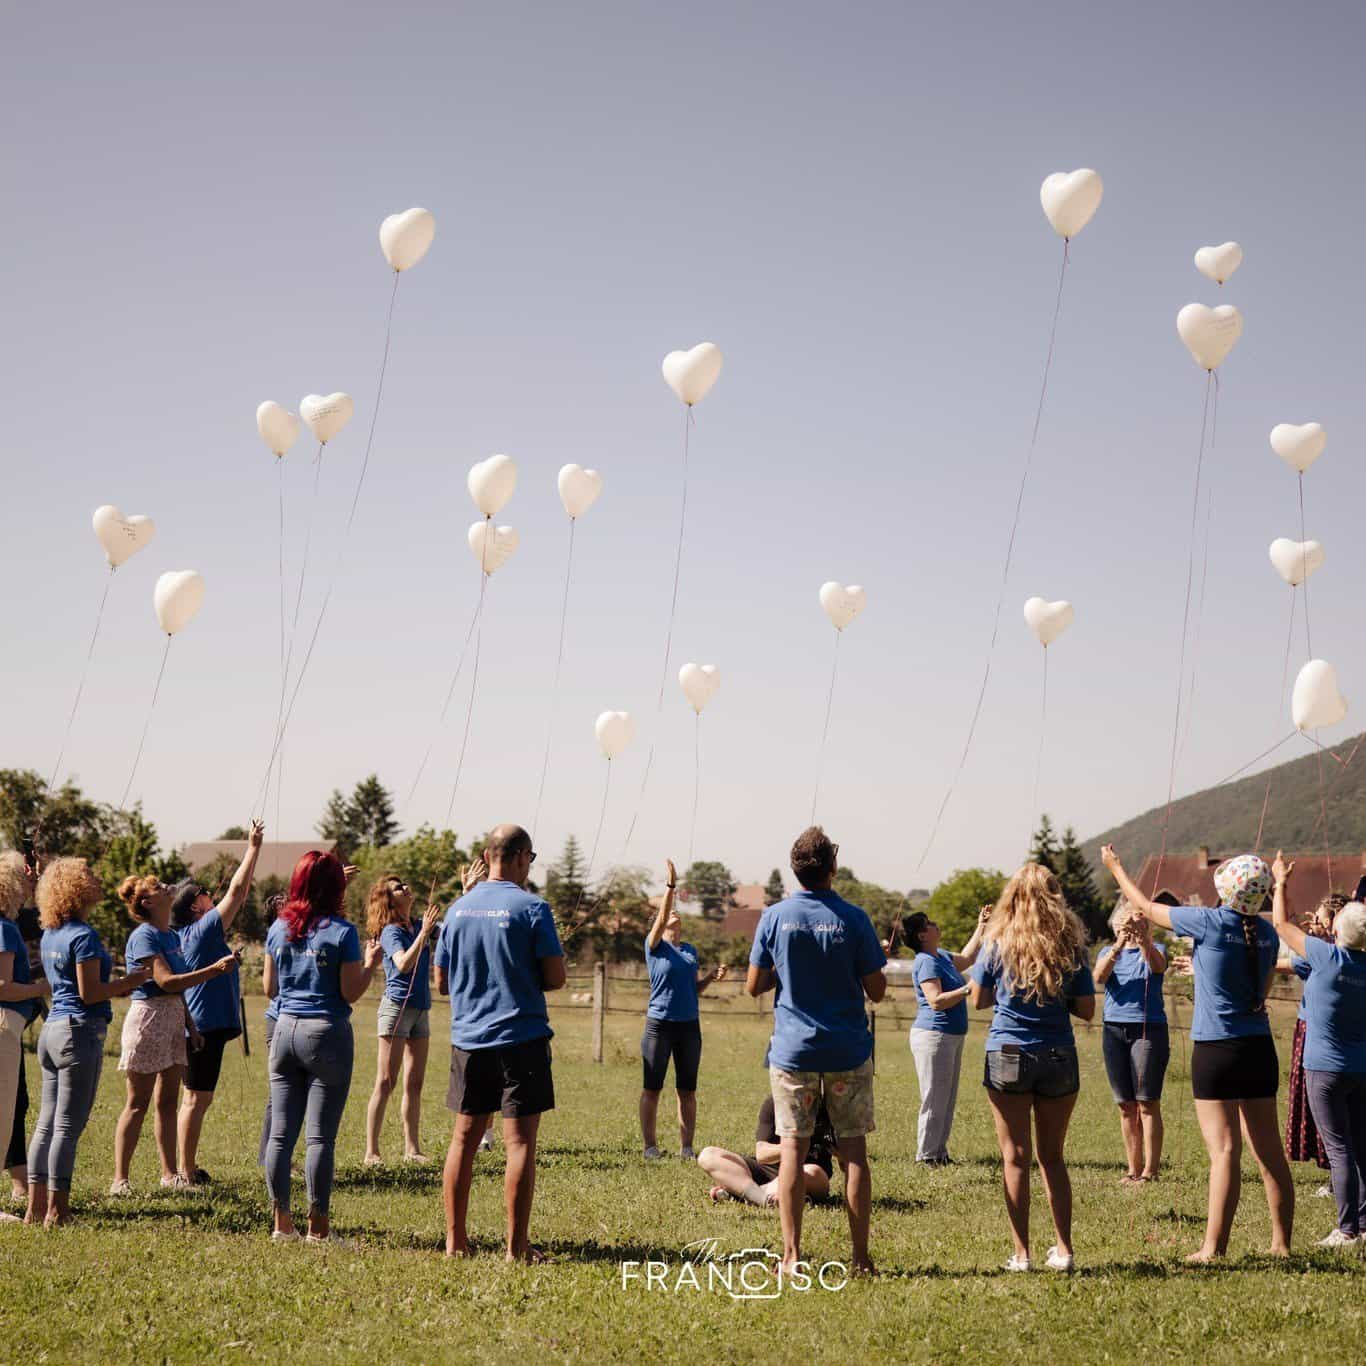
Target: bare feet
{"type": "Point", "coordinates": [1203, 1257]}
{"type": "Point", "coordinates": [863, 1268]}
{"type": "Point", "coordinates": [458, 1248]}
{"type": "Point", "coordinates": [533, 1256]}
{"type": "Point", "coordinates": [372, 1160]}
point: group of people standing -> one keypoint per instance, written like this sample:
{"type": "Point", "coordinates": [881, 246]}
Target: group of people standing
{"type": "Point", "coordinates": [497, 952]}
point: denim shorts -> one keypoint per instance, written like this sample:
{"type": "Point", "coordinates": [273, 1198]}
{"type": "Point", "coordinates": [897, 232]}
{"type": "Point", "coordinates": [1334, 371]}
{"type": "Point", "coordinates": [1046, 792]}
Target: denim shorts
{"type": "Point", "coordinates": [1136, 1058]}
{"type": "Point", "coordinates": [1050, 1072]}
{"type": "Point", "coordinates": [395, 1021]}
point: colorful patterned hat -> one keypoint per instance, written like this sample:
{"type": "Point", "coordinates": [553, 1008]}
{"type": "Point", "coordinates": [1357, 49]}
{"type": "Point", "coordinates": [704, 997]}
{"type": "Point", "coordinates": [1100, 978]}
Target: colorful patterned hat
{"type": "Point", "coordinates": [1243, 883]}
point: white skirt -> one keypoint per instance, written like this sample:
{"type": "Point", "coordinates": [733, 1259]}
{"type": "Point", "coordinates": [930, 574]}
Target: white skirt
{"type": "Point", "coordinates": [153, 1035]}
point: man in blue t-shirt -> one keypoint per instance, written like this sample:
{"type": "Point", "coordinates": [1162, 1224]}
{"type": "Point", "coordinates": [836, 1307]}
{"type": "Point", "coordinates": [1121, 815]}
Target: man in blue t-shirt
{"type": "Point", "coordinates": [827, 958]}
{"type": "Point", "coordinates": [496, 957]}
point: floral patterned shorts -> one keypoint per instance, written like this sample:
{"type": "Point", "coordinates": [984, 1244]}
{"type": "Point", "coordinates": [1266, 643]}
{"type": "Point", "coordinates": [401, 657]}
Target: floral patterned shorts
{"type": "Point", "coordinates": [848, 1098]}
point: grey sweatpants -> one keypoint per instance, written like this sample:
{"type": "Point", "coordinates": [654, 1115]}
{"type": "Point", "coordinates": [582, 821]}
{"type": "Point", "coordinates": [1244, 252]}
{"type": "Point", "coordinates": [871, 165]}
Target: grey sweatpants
{"type": "Point", "coordinates": [310, 1079]}
{"type": "Point", "coordinates": [71, 1055]}
{"type": "Point", "coordinates": [1337, 1100]}
{"type": "Point", "coordinates": [938, 1061]}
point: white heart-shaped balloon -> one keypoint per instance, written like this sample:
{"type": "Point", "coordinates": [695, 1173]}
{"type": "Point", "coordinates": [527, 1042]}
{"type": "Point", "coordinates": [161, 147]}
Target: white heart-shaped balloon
{"type": "Point", "coordinates": [279, 427]}
{"type": "Point", "coordinates": [1218, 263]}
{"type": "Point", "coordinates": [1048, 620]}
{"type": "Point", "coordinates": [1070, 199]}
{"type": "Point", "coordinates": [1209, 333]}
{"type": "Point", "coordinates": [1317, 700]}
{"type": "Point", "coordinates": [1295, 561]}
{"type": "Point", "coordinates": [615, 730]}
{"type": "Point", "coordinates": [491, 545]}
{"type": "Point", "coordinates": [1298, 445]}
{"type": "Point", "coordinates": [121, 537]}
{"type": "Point", "coordinates": [842, 604]}
{"type": "Point", "coordinates": [690, 374]}
{"type": "Point", "coordinates": [699, 683]}
{"type": "Point", "coordinates": [579, 488]}
{"type": "Point", "coordinates": [177, 598]}
{"type": "Point", "coordinates": [491, 483]}
{"type": "Point", "coordinates": [326, 414]}
{"type": "Point", "coordinates": [404, 237]}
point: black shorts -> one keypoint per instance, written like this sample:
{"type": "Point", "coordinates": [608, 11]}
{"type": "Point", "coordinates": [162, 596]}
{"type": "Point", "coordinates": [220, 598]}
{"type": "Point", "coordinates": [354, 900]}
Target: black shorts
{"type": "Point", "coordinates": [204, 1065]}
{"type": "Point", "coordinates": [1235, 1069]}
{"type": "Point", "coordinates": [514, 1079]}
{"type": "Point", "coordinates": [1136, 1058]}
{"type": "Point", "coordinates": [760, 1172]}
{"type": "Point", "coordinates": [679, 1039]}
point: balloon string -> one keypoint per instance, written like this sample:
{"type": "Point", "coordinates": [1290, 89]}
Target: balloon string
{"type": "Point", "coordinates": [669, 635]}
{"type": "Point", "coordinates": [829, 703]}
{"type": "Point", "coordinates": [1043, 723]}
{"type": "Point", "coordinates": [1255, 760]}
{"type": "Point", "coordinates": [341, 550]}
{"type": "Point", "coordinates": [1280, 712]}
{"type": "Point", "coordinates": [1323, 818]}
{"type": "Point", "coordinates": [303, 568]}
{"type": "Point", "coordinates": [555, 687]}
{"type": "Point", "coordinates": [469, 715]}
{"type": "Point", "coordinates": [696, 782]}
{"type": "Point", "coordinates": [1185, 628]}
{"type": "Point", "coordinates": [578, 923]}
{"type": "Point", "coordinates": [1304, 577]}
{"type": "Point", "coordinates": [146, 725]}
{"type": "Point", "coordinates": [1005, 568]}
{"type": "Point", "coordinates": [284, 661]}
{"type": "Point", "coordinates": [1199, 622]}
{"type": "Point", "coordinates": [80, 686]}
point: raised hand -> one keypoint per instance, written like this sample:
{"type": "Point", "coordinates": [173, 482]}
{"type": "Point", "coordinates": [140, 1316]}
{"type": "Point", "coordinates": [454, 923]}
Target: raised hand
{"type": "Point", "coordinates": [1108, 857]}
{"type": "Point", "coordinates": [476, 871]}
{"type": "Point", "coordinates": [256, 835]}
{"type": "Point", "coordinates": [1280, 869]}
{"type": "Point", "coordinates": [431, 918]}
{"type": "Point", "coordinates": [673, 872]}
{"type": "Point", "coordinates": [225, 965]}
{"type": "Point", "coordinates": [374, 951]}
{"type": "Point", "coordinates": [722, 972]}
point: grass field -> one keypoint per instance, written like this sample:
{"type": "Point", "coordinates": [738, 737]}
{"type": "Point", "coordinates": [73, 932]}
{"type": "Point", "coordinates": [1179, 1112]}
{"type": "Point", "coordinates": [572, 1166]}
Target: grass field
{"type": "Point", "coordinates": [183, 1276]}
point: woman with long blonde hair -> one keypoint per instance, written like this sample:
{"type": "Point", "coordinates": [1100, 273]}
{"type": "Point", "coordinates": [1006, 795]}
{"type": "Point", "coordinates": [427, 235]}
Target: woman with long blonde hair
{"type": "Point", "coordinates": [1034, 971]}
{"type": "Point", "coordinates": [403, 1024]}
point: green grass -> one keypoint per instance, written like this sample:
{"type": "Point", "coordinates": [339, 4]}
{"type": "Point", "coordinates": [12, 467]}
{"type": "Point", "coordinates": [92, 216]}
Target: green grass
{"type": "Point", "coordinates": [172, 1276]}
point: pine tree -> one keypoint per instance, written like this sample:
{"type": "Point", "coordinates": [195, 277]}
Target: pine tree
{"type": "Point", "coordinates": [1079, 884]}
{"type": "Point", "coordinates": [372, 813]}
{"type": "Point", "coordinates": [564, 881]}
{"type": "Point", "coordinates": [773, 888]}
{"type": "Point", "coordinates": [711, 885]}
{"type": "Point", "coordinates": [1044, 849]}
{"type": "Point", "coordinates": [336, 824]}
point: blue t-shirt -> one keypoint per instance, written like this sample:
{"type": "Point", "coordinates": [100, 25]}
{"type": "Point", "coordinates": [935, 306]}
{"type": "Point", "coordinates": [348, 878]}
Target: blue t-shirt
{"type": "Point", "coordinates": [309, 971]}
{"type": "Point", "coordinates": [491, 945]}
{"type": "Point", "coordinates": [212, 1004]}
{"type": "Point", "coordinates": [1335, 1038]}
{"type": "Point", "coordinates": [1022, 1021]}
{"type": "Point", "coordinates": [1225, 993]}
{"type": "Point", "coordinates": [1133, 992]}
{"type": "Point", "coordinates": [11, 941]}
{"type": "Point", "coordinates": [146, 943]}
{"type": "Point", "coordinates": [939, 964]}
{"type": "Point", "coordinates": [62, 948]}
{"type": "Point", "coordinates": [397, 939]}
{"type": "Point", "coordinates": [673, 981]}
{"type": "Point", "coordinates": [1300, 967]}
{"type": "Point", "coordinates": [821, 948]}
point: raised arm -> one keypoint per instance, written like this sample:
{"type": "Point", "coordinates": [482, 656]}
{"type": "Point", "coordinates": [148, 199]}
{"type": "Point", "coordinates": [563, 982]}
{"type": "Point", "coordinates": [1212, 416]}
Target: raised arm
{"type": "Point", "coordinates": [964, 960]}
{"type": "Point", "coordinates": [406, 961]}
{"type": "Point", "coordinates": [939, 999]}
{"type": "Point", "coordinates": [174, 982]}
{"type": "Point", "coordinates": [1291, 935]}
{"type": "Point", "coordinates": [1105, 963]}
{"type": "Point", "coordinates": [1138, 903]}
{"type": "Point", "coordinates": [665, 909]}
{"type": "Point", "coordinates": [240, 885]}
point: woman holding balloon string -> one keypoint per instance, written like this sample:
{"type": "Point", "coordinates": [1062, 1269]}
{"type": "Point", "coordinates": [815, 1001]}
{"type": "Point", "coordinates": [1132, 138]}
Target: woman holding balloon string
{"type": "Point", "coordinates": [672, 1026]}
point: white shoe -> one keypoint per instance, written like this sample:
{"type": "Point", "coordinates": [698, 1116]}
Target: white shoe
{"type": "Point", "coordinates": [280, 1236]}
{"type": "Point", "coordinates": [486, 1143]}
{"type": "Point", "coordinates": [331, 1236]}
{"type": "Point", "coordinates": [121, 1188]}
{"type": "Point", "coordinates": [688, 1155]}
{"type": "Point", "coordinates": [1324, 1193]}
{"type": "Point", "coordinates": [1337, 1238]}
{"type": "Point", "coordinates": [1060, 1261]}
{"type": "Point", "coordinates": [652, 1154]}
{"type": "Point", "coordinates": [175, 1183]}
{"type": "Point", "coordinates": [1018, 1263]}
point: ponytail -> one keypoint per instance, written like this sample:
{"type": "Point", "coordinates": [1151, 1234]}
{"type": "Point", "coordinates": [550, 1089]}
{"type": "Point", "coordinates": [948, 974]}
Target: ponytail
{"type": "Point", "coordinates": [1254, 960]}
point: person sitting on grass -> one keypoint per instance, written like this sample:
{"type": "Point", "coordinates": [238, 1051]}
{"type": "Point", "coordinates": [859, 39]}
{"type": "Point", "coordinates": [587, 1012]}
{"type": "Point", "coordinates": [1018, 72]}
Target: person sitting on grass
{"type": "Point", "coordinates": [755, 1179]}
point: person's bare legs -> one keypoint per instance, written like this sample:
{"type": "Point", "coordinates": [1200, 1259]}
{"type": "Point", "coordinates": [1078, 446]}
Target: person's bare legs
{"type": "Point", "coordinates": [1051, 1118]}
{"type": "Point", "coordinates": [858, 1198]}
{"type": "Point", "coordinates": [455, 1180]}
{"type": "Point", "coordinates": [164, 1121]}
{"type": "Point", "coordinates": [519, 1183]}
{"type": "Point", "coordinates": [389, 1054]}
{"type": "Point", "coordinates": [1133, 1138]}
{"type": "Point", "coordinates": [1261, 1127]}
{"type": "Point", "coordinates": [792, 1195]}
{"type": "Point", "coordinates": [687, 1117]}
{"type": "Point", "coordinates": [129, 1127]}
{"type": "Point", "coordinates": [649, 1118]}
{"type": "Point", "coordinates": [414, 1074]}
{"type": "Point", "coordinates": [194, 1106]}
{"type": "Point", "coordinates": [1011, 1114]}
{"type": "Point", "coordinates": [38, 1196]}
{"type": "Point", "coordinates": [1150, 1117]}
{"type": "Point", "coordinates": [1224, 1144]}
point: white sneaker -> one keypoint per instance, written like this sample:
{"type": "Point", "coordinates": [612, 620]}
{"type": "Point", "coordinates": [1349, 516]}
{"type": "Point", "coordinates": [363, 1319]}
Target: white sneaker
{"type": "Point", "coordinates": [652, 1154]}
{"type": "Point", "coordinates": [121, 1188]}
{"type": "Point", "coordinates": [1018, 1263]}
{"type": "Point", "coordinates": [280, 1236]}
{"type": "Point", "coordinates": [1337, 1238]}
{"type": "Point", "coordinates": [331, 1236]}
{"type": "Point", "coordinates": [1324, 1193]}
{"type": "Point", "coordinates": [688, 1155]}
{"type": "Point", "coordinates": [1060, 1261]}
{"type": "Point", "coordinates": [486, 1143]}
{"type": "Point", "coordinates": [175, 1183]}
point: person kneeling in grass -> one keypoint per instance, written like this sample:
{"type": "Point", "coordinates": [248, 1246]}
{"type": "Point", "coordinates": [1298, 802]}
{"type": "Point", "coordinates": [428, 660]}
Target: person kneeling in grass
{"type": "Point", "coordinates": [755, 1179]}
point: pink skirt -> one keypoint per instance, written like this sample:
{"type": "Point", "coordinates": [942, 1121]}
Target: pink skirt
{"type": "Point", "coordinates": [153, 1035]}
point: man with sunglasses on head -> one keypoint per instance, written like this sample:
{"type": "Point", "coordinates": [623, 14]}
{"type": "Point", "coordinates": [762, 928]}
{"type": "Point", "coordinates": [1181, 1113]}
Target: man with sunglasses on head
{"type": "Point", "coordinates": [496, 957]}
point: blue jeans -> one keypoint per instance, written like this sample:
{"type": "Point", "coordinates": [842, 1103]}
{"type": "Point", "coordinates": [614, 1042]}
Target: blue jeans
{"type": "Point", "coordinates": [71, 1055]}
{"type": "Point", "coordinates": [310, 1078]}
{"type": "Point", "coordinates": [1337, 1101]}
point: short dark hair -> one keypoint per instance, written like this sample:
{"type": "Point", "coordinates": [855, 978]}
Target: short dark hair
{"type": "Point", "coordinates": [813, 857]}
{"type": "Point", "coordinates": [913, 927]}
{"type": "Point", "coordinates": [507, 842]}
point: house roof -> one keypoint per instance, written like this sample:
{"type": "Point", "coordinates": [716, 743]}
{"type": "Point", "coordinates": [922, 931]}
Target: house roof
{"type": "Point", "coordinates": [277, 859]}
{"type": "Point", "coordinates": [1190, 878]}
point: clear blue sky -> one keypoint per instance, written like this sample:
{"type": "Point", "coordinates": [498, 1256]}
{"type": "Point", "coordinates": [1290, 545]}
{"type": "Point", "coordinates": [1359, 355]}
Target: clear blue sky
{"type": "Point", "coordinates": [845, 199]}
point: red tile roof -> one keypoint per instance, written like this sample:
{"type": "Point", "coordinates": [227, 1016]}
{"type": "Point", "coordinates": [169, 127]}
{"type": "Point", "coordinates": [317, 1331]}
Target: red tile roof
{"type": "Point", "coordinates": [1190, 878]}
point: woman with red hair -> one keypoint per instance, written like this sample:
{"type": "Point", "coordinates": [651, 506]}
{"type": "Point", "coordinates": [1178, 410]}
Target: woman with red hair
{"type": "Point", "coordinates": [315, 967]}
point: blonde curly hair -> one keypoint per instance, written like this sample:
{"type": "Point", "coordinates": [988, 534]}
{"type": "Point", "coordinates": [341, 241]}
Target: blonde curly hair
{"type": "Point", "coordinates": [67, 890]}
{"type": "Point", "coordinates": [16, 883]}
{"type": "Point", "coordinates": [1039, 940]}
{"type": "Point", "coordinates": [135, 890]}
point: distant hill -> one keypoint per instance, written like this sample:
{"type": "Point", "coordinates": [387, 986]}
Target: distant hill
{"type": "Point", "coordinates": [1225, 818]}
